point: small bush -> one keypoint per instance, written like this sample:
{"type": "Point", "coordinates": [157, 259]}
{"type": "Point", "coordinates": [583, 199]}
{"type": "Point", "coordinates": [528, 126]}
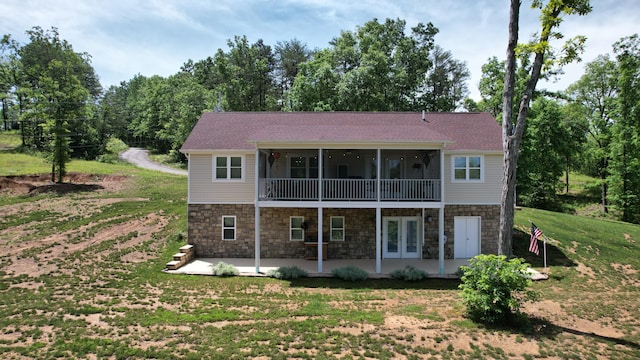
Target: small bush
{"type": "Point", "coordinates": [224, 269]}
{"type": "Point", "coordinates": [409, 273]}
{"type": "Point", "coordinates": [113, 147]}
{"type": "Point", "coordinates": [493, 288]}
{"type": "Point", "coordinates": [350, 273]}
{"type": "Point", "coordinates": [288, 273]}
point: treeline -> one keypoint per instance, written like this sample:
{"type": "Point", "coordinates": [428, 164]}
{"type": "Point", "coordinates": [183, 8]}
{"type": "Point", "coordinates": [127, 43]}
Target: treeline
{"type": "Point", "coordinates": [593, 128]}
{"type": "Point", "coordinates": [51, 94]}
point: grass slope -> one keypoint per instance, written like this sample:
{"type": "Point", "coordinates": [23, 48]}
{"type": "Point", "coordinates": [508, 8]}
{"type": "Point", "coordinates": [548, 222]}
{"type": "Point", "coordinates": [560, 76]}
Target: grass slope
{"type": "Point", "coordinates": [95, 295]}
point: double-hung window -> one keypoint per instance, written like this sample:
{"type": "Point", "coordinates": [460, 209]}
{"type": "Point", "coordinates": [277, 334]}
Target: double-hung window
{"type": "Point", "coordinates": [296, 228]}
{"type": "Point", "coordinates": [467, 168]}
{"type": "Point", "coordinates": [227, 168]}
{"type": "Point", "coordinates": [228, 227]}
{"type": "Point", "coordinates": [337, 228]}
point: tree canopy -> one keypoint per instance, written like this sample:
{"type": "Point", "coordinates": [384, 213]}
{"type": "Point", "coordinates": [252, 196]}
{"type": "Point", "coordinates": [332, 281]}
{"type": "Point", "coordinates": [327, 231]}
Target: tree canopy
{"type": "Point", "coordinates": [51, 94]}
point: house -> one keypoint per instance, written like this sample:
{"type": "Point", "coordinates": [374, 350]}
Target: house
{"type": "Point", "coordinates": [344, 185]}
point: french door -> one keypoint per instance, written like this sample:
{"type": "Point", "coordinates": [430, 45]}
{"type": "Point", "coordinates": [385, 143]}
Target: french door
{"type": "Point", "coordinates": [466, 243]}
{"type": "Point", "coordinates": [401, 238]}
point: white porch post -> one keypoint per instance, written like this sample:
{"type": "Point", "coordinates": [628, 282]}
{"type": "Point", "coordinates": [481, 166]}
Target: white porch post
{"type": "Point", "coordinates": [378, 240]}
{"type": "Point", "coordinates": [378, 164]}
{"type": "Point", "coordinates": [257, 212]}
{"type": "Point", "coordinates": [441, 239]}
{"type": "Point", "coordinates": [378, 214]}
{"type": "Point", "coordinates": [320, 241]}
{"type": "Point", "coordinates": [441, 214]}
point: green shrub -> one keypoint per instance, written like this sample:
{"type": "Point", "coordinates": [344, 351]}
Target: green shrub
{"type": "Point", "coordinates": [350, 273]}
{"type": "Point", "coordinates": [288, 273]}
{"type": "Point", "coordinates": [409, 273]}
{"type": "Point", "coordinates": [113, 148]}
{"type": "Point", "coordinates": [224, 269]}
{"type": "Point", "coordinates": [493, 288]}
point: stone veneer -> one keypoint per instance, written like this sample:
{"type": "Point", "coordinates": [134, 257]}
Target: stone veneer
{"type": "Point", "coordinates": [205, 230]}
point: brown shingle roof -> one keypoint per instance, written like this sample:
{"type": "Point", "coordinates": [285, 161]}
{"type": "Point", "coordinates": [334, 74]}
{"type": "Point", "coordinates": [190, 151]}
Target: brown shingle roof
{"type": "Point", "coordinates": [242, 130]}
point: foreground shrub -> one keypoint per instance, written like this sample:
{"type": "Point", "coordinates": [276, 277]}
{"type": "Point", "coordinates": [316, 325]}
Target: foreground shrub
{"type": "Point", "coordinates": [493, 288]}
{"type": "Point", "coordinates": [224, 269]}
{"type": "Point", "coordinates": [350, 273]}
{"type": "Point", "coordinates": [409, 273]}
{"type": "Point", "coordinates": [288, 273]}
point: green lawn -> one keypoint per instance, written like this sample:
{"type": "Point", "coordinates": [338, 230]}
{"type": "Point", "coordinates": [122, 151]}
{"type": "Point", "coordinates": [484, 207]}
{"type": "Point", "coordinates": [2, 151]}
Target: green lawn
{"type": "Point", "coordinates": [81, 277]}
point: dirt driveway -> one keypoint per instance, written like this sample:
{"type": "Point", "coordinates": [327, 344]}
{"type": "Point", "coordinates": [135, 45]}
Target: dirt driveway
{"type": "Point", "coordinates": [140, 157]}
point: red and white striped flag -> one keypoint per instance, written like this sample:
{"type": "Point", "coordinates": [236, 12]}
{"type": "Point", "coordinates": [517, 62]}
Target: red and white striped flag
{"type": "Point", "coordinates": [533, 243]}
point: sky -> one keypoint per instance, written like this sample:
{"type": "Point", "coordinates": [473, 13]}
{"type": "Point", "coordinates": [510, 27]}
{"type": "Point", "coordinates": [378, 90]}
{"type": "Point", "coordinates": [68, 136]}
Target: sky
{"type": "Point", "coordinates": [156, 37]}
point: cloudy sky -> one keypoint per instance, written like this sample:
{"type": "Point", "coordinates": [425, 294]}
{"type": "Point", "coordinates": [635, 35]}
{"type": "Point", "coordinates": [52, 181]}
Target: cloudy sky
{"type": "Point", "coordinates": [155, 37]}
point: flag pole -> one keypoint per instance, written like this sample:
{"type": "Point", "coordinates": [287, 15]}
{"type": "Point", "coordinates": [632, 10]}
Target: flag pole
{"type": "Point", "coordinates": [544, 246]}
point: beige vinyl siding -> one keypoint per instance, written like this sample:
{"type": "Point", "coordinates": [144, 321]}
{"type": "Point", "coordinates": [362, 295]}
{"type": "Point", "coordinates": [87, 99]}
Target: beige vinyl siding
{"type": "Point", "coordinates": [202, 188]}
{"type": "Point", "coordinates": [486, 192]}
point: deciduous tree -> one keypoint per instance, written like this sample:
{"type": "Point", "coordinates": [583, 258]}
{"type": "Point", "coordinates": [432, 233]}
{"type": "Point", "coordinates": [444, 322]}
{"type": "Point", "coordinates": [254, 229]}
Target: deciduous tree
{"type": "Point", "coordinates": [593, 98]}
{"type": "Point", "coordinates": [625, 162]}
{"type": "Point", "coordinates": [513, 126]}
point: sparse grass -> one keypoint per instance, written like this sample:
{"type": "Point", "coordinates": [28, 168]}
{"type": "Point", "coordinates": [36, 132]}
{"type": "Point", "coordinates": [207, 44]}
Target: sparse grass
{"type": "Point", "coordinates": [95, 305]}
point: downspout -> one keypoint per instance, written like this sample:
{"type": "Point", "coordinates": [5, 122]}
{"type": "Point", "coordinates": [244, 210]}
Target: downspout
{"type": "Point", "coordinates": [441, 214]}
{"type": "Point", "coordinates": [256, 180]}
{"type": "Point", "coordinates": [188, 191]}
{"type": "Point", "coordinates": [423, 233]}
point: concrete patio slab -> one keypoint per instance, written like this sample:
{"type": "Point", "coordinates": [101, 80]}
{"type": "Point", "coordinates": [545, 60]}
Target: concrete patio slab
{"type": "Point", "coordinates": [247, 266]}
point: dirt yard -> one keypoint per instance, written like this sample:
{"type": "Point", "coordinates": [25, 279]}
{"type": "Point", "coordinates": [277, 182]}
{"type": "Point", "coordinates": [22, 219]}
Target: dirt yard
{"type": "Point", "coordinates": [32, 250]}
{"type": "Point", "coordinates": [77, 233]}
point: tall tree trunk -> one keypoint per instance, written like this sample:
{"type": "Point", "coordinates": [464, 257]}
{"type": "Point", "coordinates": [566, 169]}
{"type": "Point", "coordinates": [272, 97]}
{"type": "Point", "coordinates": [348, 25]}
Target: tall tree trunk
{"type": "Point", "coordinates": [566, 176]}
{"type": "Point", "coordinates": [507, 200]}
{"type": "Point", "coordinates": [512, 133]}
{"type": "Point", "coordinates": [603, 186]}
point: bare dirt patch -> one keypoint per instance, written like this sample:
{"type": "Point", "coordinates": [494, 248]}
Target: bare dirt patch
{"type": "Point", "coordinates": [73, 182]}
{"type": "Point", "coordinates": [31, 251]}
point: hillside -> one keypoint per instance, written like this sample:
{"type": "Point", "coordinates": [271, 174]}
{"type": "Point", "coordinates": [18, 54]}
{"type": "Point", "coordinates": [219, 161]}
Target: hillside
{"type": "Point", "coordinates": [81, 278]}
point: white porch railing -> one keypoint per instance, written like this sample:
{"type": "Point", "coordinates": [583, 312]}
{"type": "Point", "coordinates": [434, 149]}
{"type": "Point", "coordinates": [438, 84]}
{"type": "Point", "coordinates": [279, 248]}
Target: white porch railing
{"type": "Point", "coordinates": [350, 189]}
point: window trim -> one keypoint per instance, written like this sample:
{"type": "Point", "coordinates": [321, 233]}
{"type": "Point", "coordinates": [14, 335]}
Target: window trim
{"type": "Point", "coordinates": [467, 168]}
{"type": "Point", "coordinates": [331, 228]}
{"type": "Point", "coordinates": [234, 228]}
{"type": "Point", "coordinates": [291, 228]}
{"type": "Point", "coordinates": [214, 169]}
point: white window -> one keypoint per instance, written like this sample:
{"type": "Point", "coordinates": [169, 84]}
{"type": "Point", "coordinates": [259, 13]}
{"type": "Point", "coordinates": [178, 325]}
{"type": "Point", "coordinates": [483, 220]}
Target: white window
{"type": "Point", "coordinates": [296, 228]}
{"type": "Point", "coordinates": [228, 227]}
{"type": "Point", "coordinates": [228, 168]}
{"type": "Point", "coordinates": [467, 168]}
{"type": "Point", "coordinates": [337, 228]}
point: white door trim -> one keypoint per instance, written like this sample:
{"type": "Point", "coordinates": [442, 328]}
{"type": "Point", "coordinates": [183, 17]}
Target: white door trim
{"type": "Point", "coordinates": [402, 234]}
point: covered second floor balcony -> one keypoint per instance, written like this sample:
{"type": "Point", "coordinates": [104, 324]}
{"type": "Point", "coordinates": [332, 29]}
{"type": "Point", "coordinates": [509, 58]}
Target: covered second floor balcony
{"type": "Point", "coordinates": [349, 175]}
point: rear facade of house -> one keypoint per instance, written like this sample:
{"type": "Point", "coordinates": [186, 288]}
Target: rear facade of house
{"type": "Point", "coordinates": [349, 185]}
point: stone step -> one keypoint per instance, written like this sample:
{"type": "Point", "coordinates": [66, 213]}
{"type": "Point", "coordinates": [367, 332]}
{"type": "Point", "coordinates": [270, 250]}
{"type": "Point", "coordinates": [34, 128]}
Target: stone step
{"type": "Point", "coordinates": [187, 252]}
{"type": "Point", "coordinates": [173, 265]}
{"type": "Point", "coordinates": [187, 249]}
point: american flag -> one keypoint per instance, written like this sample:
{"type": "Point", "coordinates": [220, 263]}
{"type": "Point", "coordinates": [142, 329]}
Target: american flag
{"type": "Point", "coordinates": [533, 243]}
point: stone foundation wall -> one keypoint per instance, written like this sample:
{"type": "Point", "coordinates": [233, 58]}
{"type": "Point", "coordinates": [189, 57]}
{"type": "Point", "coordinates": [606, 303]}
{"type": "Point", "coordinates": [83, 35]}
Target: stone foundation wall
{"type": "Point", "coordinates": [205, 230]}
